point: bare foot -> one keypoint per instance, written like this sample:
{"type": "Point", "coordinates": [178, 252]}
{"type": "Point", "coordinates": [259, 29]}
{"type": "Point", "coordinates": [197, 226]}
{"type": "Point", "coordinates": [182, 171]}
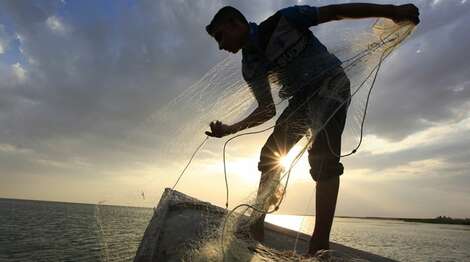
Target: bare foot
{"type": "Point", "coordinates": [316, 246]}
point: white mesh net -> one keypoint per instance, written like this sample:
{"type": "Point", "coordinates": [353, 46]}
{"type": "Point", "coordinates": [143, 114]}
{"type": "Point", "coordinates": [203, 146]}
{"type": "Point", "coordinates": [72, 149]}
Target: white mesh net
{"type": "Point", "coordinates": [223, 94]}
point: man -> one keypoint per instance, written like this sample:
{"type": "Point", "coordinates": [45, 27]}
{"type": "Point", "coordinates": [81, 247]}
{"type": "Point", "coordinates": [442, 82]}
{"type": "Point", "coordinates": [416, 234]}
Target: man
{"type": "Point", "coordinates": [276, 46]}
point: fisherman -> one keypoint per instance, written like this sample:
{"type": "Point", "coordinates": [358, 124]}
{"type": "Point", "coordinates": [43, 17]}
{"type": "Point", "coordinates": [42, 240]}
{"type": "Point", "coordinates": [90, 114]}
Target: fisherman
{"type": "Point", "coordinates": [277, 45]}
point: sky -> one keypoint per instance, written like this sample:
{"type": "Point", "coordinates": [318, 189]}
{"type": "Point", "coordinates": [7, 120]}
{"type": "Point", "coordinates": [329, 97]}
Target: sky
{"type": "Point", "coordinates": [80, 82]}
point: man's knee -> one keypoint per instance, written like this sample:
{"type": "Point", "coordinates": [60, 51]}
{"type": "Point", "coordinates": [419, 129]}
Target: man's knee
{"type": "Point", "coordinates": [325, 169]}
{"type": "Point", "coordinates": [269, 160]}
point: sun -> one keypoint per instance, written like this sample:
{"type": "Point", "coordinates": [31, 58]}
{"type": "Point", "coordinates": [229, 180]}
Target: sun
{"type": "Point", "coordinates": [286, 160]}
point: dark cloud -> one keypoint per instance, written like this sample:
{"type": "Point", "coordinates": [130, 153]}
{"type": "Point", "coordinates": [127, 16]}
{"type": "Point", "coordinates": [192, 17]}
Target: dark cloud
{"type": "Point", "coordinates": [90, 89]}
{"type": "Point", "coordinates": [431, 86]}
{"type": "Point", "coordinates": [99, 80]}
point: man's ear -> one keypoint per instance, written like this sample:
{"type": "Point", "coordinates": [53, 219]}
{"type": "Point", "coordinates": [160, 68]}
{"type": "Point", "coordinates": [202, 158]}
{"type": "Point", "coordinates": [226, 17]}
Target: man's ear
{"type": "Point", "coordinates": [234, 23]}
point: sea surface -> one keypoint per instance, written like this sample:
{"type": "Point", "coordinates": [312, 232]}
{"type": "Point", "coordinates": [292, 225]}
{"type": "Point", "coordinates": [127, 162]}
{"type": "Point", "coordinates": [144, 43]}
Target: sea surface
{"type": "Point", "coordinates": [52, 231]}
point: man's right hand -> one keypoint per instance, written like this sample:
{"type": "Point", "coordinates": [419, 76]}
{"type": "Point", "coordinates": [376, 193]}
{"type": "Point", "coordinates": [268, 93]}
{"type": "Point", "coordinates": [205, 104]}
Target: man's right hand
{"type": "Point", "coordinates": [408, 12]}
{"type": "Point", "coordinates": [218, 129]}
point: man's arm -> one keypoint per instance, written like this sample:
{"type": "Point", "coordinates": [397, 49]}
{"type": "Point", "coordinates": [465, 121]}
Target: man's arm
{"type": "Point", "coordinates": [408, 12]}
{"type": "Point", "coordinates": [265, 111]}
{"type": "Point", "coordinates": [260, 115]}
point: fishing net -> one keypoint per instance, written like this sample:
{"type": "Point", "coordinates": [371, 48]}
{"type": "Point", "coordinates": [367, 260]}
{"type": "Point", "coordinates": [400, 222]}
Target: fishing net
{"type": "Point", "coordinates": [223, 94]}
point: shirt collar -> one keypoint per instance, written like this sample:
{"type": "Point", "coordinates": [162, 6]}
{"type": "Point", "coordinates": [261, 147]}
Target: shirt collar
{"type": "Point", "coordinates": [253, 29]}
{"type": "Point", "coordinates": [253, 35]}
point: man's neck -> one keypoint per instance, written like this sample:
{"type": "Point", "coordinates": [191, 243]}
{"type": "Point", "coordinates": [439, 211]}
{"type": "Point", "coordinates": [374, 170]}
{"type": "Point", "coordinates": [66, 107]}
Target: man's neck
{"type": "Point", "coordinates": [247, 35]}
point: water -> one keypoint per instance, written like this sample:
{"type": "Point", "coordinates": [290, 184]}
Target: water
{"type": "Point", "coordinates": [49, 231]}
{"type": "Point", "coordinates": [405, 241]}
{"type": "Point", "coordinates": [402, 241]}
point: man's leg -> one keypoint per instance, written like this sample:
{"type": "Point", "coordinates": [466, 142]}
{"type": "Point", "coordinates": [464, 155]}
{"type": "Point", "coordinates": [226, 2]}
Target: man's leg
{"type": "Point", "coordinates": [325, 204]}
{"type": "Point", "coordinates": [324, 154]}
{"type": "Point", "coordinates": [290, 128]}
{"type": "Point", "coordinates": [325, 170]}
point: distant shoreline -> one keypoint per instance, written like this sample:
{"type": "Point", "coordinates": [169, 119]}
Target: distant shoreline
{"type": "Point", "coordinates": [437, 220]}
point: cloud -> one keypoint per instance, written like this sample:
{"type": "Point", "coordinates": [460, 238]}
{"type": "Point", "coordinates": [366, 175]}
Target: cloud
{"type": "Point", "coordinates": [78, 98]}
{"type": "Point", "coordinates": [87, 92]}
{"type": "Point", "coordinates": [3, 40]}
{"type": "Point", "coordinates": [418, 90]}
{"type": "Point", "coordinates": [19, 71]}
{"type": "Point", "coordinates": [435, 135]}
{"type": "Point", "coordinates": [56, 25]}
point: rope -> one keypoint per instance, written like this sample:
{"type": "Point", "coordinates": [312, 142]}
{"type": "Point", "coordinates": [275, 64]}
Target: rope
{"type": "Point", "coordinates": [355, 59]}
{"type": "Point", "coordinates": [376, 69]}
{"type": "Point", "coordinates": [189, 162]}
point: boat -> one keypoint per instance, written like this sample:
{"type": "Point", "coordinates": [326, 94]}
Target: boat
{"type": "Point", "coordinates": [180, 223]}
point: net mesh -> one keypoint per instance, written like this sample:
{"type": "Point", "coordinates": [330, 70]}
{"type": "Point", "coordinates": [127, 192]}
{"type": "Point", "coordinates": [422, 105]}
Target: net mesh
{"type": "Point", "coordinates": [223, 94]}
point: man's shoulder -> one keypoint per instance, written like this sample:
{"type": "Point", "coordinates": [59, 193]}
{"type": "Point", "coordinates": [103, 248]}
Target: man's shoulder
{"type": "Point", "coordinates": [301, 16]}
{"type": "Point", "coordinates": [267, 27]}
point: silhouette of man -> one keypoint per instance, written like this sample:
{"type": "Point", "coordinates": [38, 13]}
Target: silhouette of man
{"type": "Point", "coordinates": [277, 45]}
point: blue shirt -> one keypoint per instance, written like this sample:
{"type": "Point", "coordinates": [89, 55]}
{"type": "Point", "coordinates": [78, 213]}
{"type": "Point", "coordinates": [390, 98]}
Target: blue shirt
{"type": "Point", "coordinates": [282, 46]}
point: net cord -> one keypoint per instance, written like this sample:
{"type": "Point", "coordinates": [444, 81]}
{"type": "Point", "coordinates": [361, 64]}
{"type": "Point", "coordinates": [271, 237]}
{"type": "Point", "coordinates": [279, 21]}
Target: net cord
{"type": "Point", "coordinates": [374, 71]}
{"type": "Point", "coordinates": [354, 59]}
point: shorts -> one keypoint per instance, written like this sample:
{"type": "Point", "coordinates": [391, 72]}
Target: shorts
{"type": "Point", "coordinates": [319, 111]}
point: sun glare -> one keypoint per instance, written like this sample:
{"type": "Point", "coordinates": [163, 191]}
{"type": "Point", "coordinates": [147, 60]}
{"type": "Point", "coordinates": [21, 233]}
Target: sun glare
{"type": "Point", "coordinates": [286, 221]}
{"type": "Point", "coordinates": [285, 163]}
{"type": "Point", "coordinates": [286, 160]}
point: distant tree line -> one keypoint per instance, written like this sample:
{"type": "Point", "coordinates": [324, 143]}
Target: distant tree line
{"type": "Point", "coordinates": [440, 220]}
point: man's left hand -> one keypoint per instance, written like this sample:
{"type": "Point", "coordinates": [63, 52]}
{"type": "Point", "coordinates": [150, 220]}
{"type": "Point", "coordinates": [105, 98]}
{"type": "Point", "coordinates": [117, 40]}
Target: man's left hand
{"type": "Point", "coordinates": [408, 12]}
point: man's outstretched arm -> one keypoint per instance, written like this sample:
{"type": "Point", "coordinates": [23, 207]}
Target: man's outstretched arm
{"type": "Point", "coordinates": [260, 115]}
{"type": "Point", "coordinates": [408, 12]}
{"type": "Point", "coordinates": [265, 111]}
